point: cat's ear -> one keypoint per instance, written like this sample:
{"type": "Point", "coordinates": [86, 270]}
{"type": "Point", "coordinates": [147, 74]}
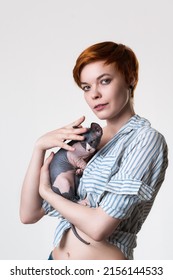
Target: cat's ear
{"type": "Point", "coordinates": [96, 128]}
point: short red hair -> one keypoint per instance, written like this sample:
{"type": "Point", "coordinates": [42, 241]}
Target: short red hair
{"type": "Point", "coordinates": [122, 56]}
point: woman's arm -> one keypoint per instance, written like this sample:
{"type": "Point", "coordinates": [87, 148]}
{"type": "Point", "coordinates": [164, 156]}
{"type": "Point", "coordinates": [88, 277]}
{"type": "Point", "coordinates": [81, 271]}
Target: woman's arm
{"type": "Point", "coordinates": [92, 221]}
{"type": "Point", "coordinates": [31, 202]}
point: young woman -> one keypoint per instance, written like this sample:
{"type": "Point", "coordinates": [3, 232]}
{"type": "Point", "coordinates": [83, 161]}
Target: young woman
{"type": "Point", "coordinates": [121, 181]}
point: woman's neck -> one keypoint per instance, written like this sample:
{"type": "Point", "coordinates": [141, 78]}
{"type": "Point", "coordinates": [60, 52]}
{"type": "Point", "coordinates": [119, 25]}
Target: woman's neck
{"type": "Point", "coordinates": [115, 124]}
{"type": "Point", "coordinates": [112, 127]}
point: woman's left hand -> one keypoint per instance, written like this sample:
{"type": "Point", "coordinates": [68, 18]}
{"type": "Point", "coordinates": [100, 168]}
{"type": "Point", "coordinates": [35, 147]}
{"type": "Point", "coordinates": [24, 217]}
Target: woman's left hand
{"type": "Point", "coordinates": [45, 185]}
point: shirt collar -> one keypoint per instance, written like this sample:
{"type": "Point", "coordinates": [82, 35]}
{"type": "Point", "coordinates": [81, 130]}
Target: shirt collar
{"type": "Point", "coordinates": [135, 122]}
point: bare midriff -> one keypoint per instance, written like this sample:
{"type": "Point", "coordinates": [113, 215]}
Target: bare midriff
{"type": "Point", "coordinates": [71, 248]}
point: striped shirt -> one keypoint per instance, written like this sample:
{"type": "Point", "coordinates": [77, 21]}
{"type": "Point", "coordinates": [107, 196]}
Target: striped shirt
{"type": "Point", "coordinates": [123, 178]}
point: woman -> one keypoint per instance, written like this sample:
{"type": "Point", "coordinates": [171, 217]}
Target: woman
{"type": "Point", "coordinates": [120, 183]}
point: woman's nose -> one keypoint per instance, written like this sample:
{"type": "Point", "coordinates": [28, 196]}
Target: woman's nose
{"type": "Point", "coordinates": [95, 92]}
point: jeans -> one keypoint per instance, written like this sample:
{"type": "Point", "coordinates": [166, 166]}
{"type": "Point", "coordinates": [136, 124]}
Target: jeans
{"type": "Point", "coordinates": [50, 257]}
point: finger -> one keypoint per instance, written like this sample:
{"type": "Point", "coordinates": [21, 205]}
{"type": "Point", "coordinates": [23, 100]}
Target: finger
{"type": "Point", "coordinates": [76, 134]}
{"type": "Point", "coordinates": [48, 161]}
{"type": "Point", "coordinates": [67, 147]}
{"type": "Point", "coordinates": [73, 136]}
{"type": "Point", "coordinates": [44, 175]}
{"type": "Point", "coordinates": [77, 130]}
{"type": "Point", "coordinates": [77, 122]}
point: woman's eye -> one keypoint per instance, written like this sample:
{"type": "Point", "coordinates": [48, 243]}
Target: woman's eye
{"type": "Point", "coordinates": [86, 88]}
{"type": "Point", "coordinates": [105, 81]}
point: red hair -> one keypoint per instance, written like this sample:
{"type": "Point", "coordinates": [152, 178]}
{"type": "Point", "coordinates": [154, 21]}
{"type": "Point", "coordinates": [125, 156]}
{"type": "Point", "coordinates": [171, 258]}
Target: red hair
{"type": "Point", "coordinates": [122, 56]}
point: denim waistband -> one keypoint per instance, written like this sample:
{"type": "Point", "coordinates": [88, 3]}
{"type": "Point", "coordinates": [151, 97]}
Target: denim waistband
{"type": "Point", "coordinates": [50, 257]}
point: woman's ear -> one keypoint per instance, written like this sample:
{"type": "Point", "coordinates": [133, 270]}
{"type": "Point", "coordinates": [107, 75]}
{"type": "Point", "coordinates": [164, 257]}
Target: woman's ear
{"type": "Point", "coordinates": [131, 90]}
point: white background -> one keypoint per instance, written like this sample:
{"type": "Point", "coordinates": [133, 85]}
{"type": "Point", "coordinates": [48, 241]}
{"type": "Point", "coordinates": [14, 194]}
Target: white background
{"type": "Point", "coordinates": [39, 43]}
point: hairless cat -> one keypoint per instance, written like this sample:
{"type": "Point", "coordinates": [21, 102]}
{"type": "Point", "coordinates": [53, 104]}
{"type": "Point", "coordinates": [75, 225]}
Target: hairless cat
{"type": "Point", "coordinates": [66, 167]}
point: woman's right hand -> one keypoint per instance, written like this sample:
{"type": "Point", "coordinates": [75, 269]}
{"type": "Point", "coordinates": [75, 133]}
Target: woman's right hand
{"type": "Point", "coordinates": [31, 202]}
{"type": "Point", "coordinates": [57, 138]}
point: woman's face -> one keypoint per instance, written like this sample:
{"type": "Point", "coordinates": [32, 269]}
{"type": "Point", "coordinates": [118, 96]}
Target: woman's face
{"type": "Point", "coordinates": [105, 90]}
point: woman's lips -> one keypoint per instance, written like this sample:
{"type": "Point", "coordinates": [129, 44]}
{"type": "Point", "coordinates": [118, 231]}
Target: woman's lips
{"type": "Point", "coordinates": [100, 107]}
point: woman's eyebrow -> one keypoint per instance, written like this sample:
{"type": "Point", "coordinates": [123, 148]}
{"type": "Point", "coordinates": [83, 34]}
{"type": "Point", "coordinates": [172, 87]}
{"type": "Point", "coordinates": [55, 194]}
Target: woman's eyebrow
{"type": "Point", "coordinates": [98, 78]}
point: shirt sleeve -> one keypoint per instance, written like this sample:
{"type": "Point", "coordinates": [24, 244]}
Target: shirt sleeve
{"type": "Point", "coordinates": [138, 178]}
{"type": "Point", "coordinates": [49, 210]}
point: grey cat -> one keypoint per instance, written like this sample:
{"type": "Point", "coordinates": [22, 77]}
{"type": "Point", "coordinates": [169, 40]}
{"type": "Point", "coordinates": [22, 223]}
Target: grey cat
{"type": "Point", "coordinates": [66, 167]}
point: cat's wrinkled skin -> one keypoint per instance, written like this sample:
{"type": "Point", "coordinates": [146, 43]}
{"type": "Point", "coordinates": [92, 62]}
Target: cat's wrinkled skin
{"type": "Point", "coordinates": [67, 166]}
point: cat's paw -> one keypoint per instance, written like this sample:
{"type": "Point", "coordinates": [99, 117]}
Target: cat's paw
{"type": "Point", "coordinates": [79, 171]}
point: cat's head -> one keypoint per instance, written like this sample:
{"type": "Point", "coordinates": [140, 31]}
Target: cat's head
{"type": "Point", "coordinates": [92, 137]}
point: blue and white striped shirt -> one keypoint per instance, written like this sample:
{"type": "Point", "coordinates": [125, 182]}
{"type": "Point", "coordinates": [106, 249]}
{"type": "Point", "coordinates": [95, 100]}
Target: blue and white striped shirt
{"type": "Point", "coordinates": [123, 178]}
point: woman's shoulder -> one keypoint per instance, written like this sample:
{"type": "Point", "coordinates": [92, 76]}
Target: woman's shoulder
{"type": "Point", "coordinates": [145, 131]}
